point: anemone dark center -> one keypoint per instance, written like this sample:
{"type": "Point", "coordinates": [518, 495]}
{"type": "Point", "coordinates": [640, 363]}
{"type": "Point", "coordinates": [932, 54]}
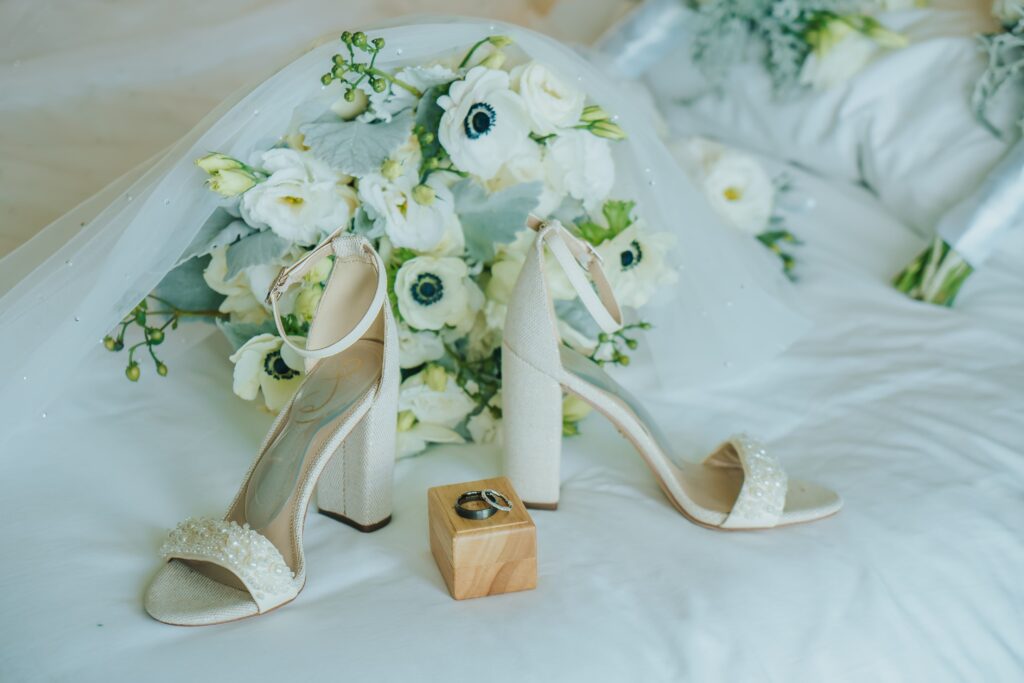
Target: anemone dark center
{"type": "Point", "coordinates": [479, 120]}
{"type": "Point", "coordinates": [631, 257]}
{"type": "Point", "coordinates": [275, 366]}
{"type": "Point", "coordinates": [428, 289]}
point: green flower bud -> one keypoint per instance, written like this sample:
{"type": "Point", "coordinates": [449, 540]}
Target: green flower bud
{"type": "Point", "coordinates": [631, 343]}
{"type": "Point", "coordinates": [155, 335]}
{"type": "Point", "coordinates": [406, 419]}
{"type": "Point", "coordinates": [574, 409]}
{"type": "Point", "coordinates": [378, 43]}
{"type": "Point", "coordinates": [426, 138]}
{"type": "Point", "coordinates": [423, 194]}
{"type": "Point", "coordinates": [500, 41]}
{"type": "Point", "coordinates": [326, 79]}
{"type": "Point", "coordinates": [161, 369]}
{"type": "Point", "coordinates": [623, 359]}
{"type": "Point", "coordinates": [432, 163]}
{"type": "Point", "coordinates": [212, 163]}
{"type": "Point", "coordinates": [435, 377]}
{"type": "Point", "coordinates": [378, 84]}
{"type": "Point", "coordinates": [350, 95]}
{"type": "Point", "coordinates": [132, 372]}
{"type": "Point", "coordinates": [231, 183]}
{"type": "Point", "coordinates": [346, 37]}
{"type": "Point", "coordinates": [594, 113]}
{"type": "Point", "coordinates": [338, 60]}
{"type": "Point", "coordinates": [109, 343]}
{"type": "Point", "coordinates": [359, 39]}
{"type": "Point", "coordinates": [391, 169]}
{"type": "Point", "coordinates": [494, 60]}
{"type": "Point", "coordinates": [608, 130]}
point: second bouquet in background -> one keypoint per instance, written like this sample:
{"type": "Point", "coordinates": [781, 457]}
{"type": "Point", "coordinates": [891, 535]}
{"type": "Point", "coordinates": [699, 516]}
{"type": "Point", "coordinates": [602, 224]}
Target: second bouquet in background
{"type": "Point", "coordinates": [439, 164]}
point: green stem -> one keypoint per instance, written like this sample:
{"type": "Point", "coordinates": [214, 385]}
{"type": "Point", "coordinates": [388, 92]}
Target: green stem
{"type": "Point", "coordinates": [395, 81]}
{"type": "Point", "coordinates": [469, 55]}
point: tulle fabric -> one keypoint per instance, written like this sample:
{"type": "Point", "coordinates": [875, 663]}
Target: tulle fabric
{"type": "Point", "coordinates": [67, 287]}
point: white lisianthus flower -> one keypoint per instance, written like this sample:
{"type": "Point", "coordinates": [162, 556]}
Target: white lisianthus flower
{"type": "Point", "coordinates": [736, 185]}
{"type": "Point", "coordinates": [550, 101]}
{"type": "Point", "coordinates": [265, 364]}
{"type": "Point", "coordinates": [401, 212]}
{"type": "Point", "coordinates": [433, 397]}
{"type": "Point", "coordinates": [395, 99]}
{"type": "Point", "coordinates": [416, 437]}
{"type": "Point", "coordinates": [484, 428]}
{"type": "Point", "coordinates": [1008, 12]}
{"type": "Point", "coordinates": [245, 292]}
{"type": "Point", "coordinates": [301, 200]}
{"type": "Point", "coordinates": [581, 164]}
{"type": "Point", "coordinates": [526, 167]}
{"type": "Point", "coordinates": [435, 292]}
{"type": "Point", "coordinates": [484, 123]}
{"type": "Point", "coordinates": [634, 261]}
{"type": "Point", "coordinates": [842, 46]}
{"type": "Point", "coordinates": [509, 259]}
{"type": "Point", "coordinates": [417, 347]}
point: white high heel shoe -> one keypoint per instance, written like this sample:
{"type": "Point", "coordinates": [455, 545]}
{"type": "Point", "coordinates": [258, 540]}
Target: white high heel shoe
{"type": "Point", "coordinates": [337, 433]}
{"type": "Point", "coordinates": [739, 486]}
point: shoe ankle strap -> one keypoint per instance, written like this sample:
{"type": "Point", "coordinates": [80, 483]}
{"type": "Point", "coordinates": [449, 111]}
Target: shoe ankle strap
{"type": "Point", "coordinates": [574, 256]}
{"type": "Point", "coordinates": [341, 245]}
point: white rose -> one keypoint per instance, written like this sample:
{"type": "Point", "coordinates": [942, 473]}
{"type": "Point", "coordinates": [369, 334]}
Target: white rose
{"type": "Point", "coordinates": [526, 167]}
{"type": "Point", "coordinates": [484, 123]}
{"type": "Point", "coordinates": [581, 164]}
{"type": "Point", "coordinates": [434, 398]}
{"type": "Point", "coordinates": [417, 347]}
{"type": "Point", "coordinates": [1009, 12]}
{"type": "Point", "coordinates": [301, 200]}
{"type": "Point", "coordinates": [394, 99]}
{"type": "Point", "coordinates": [264, 363]}
{"type": "Point", "coordinates": [406, 221]}
{"type": "Point", "coordinates": [550, 102]}
{"type": "Point", "coordinates": [434, 292]}
{"type": "Point", "coordinates": [635, 263]}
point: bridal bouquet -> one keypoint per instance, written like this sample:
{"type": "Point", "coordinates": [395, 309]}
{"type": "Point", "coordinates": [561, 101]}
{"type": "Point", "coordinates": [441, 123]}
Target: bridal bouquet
{"type": "Point", "coordinates": [438, 164]}
{"type": "Point", "coordinates": [966, 236]}
{"type": "Point", "coordinates": [816, 43]}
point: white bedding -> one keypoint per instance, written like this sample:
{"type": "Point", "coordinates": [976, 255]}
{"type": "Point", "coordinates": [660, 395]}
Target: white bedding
{"type": "Point", "coordinates": [914, 413]}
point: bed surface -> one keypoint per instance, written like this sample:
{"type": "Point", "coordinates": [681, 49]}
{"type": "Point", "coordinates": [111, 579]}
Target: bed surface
{"type": "Point", "coordinates": [914, 413]}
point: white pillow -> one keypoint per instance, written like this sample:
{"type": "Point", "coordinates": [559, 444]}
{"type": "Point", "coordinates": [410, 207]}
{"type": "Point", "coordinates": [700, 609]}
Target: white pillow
{"type": "Point", "coordinates": [903, 126]}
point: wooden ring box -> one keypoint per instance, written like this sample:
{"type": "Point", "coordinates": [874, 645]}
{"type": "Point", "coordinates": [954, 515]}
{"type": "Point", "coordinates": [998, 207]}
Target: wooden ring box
{"type": "Point", "coordinates": [482, 557]}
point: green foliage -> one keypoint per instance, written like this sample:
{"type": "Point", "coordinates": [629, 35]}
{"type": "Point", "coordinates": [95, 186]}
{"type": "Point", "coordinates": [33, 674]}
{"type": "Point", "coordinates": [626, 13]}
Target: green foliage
{"type": "Point", "coordinates": [185, 289]}
{"type": "Point", "coordinates": [492, 218]}
{"type": "Point", "coordinates": [256, 249]}
{"type": "Point", "coordinates": [617, 214]}
{"type": "Point", "coordinates": [355, 147]}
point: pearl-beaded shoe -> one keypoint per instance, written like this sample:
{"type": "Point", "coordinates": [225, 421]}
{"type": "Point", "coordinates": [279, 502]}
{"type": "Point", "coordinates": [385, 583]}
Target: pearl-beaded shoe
{"type": "Point", "coordinates": [739, 486]}
{"type": "Point", "coordinates": [337, 434]}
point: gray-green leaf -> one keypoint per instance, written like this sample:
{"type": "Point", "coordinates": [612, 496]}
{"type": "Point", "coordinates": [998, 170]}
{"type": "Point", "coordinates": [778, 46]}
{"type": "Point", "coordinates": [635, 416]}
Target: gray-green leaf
{"type": "Point", "coordinates": [185, 289]}
{"type": "Point", "coordinates": [219, 229]}
{"type": "Point", "coordinates": [239, 333]}
{"type": "Point", "coordinates": [428, 115]}
{"type": "Point", "coordinates": [492, 218]}
{"type": "Point", "coordinates": [256, 249]}
{"type": "Point", "coordinates": [355, 147]}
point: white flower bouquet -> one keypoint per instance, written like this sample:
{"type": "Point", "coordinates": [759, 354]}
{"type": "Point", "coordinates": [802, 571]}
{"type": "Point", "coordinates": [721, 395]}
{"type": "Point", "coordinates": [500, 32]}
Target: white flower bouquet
{"type": "Point", "coordinates": [438, 163]}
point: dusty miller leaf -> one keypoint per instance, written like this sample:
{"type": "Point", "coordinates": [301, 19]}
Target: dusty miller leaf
{"type": "Point", "coordinates": [219, 229]}
{"type": "Point", "coordinates": [185, 289]}
{"type": "Point", "coordinates": [239, 333]}
{"type": "Point", "coordinates": [256, 249]}
{"type": "Point", "coordinates": [355, 147]}
{"type": "Point", "coordinates": [497, 217]}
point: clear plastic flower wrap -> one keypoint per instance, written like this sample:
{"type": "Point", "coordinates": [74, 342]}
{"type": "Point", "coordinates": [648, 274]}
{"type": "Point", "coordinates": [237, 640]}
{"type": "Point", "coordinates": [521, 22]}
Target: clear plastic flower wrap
{"type": "Point", "coordinates": [76, 280]}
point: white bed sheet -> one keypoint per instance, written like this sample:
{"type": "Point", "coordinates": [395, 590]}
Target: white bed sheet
{"type": "Point", "coordinates": [913, 413]}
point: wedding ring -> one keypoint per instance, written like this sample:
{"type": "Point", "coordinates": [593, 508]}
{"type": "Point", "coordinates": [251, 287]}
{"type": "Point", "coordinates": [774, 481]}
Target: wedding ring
{"type": "Point", "coordinates": [496, 499]}
{"type": "Point", "coordinates": [470, 513]}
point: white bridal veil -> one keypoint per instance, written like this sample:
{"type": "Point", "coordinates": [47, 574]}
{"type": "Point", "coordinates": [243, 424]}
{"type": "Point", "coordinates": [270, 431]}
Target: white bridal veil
{"type": "Point", "coordinates": [61, 292]}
